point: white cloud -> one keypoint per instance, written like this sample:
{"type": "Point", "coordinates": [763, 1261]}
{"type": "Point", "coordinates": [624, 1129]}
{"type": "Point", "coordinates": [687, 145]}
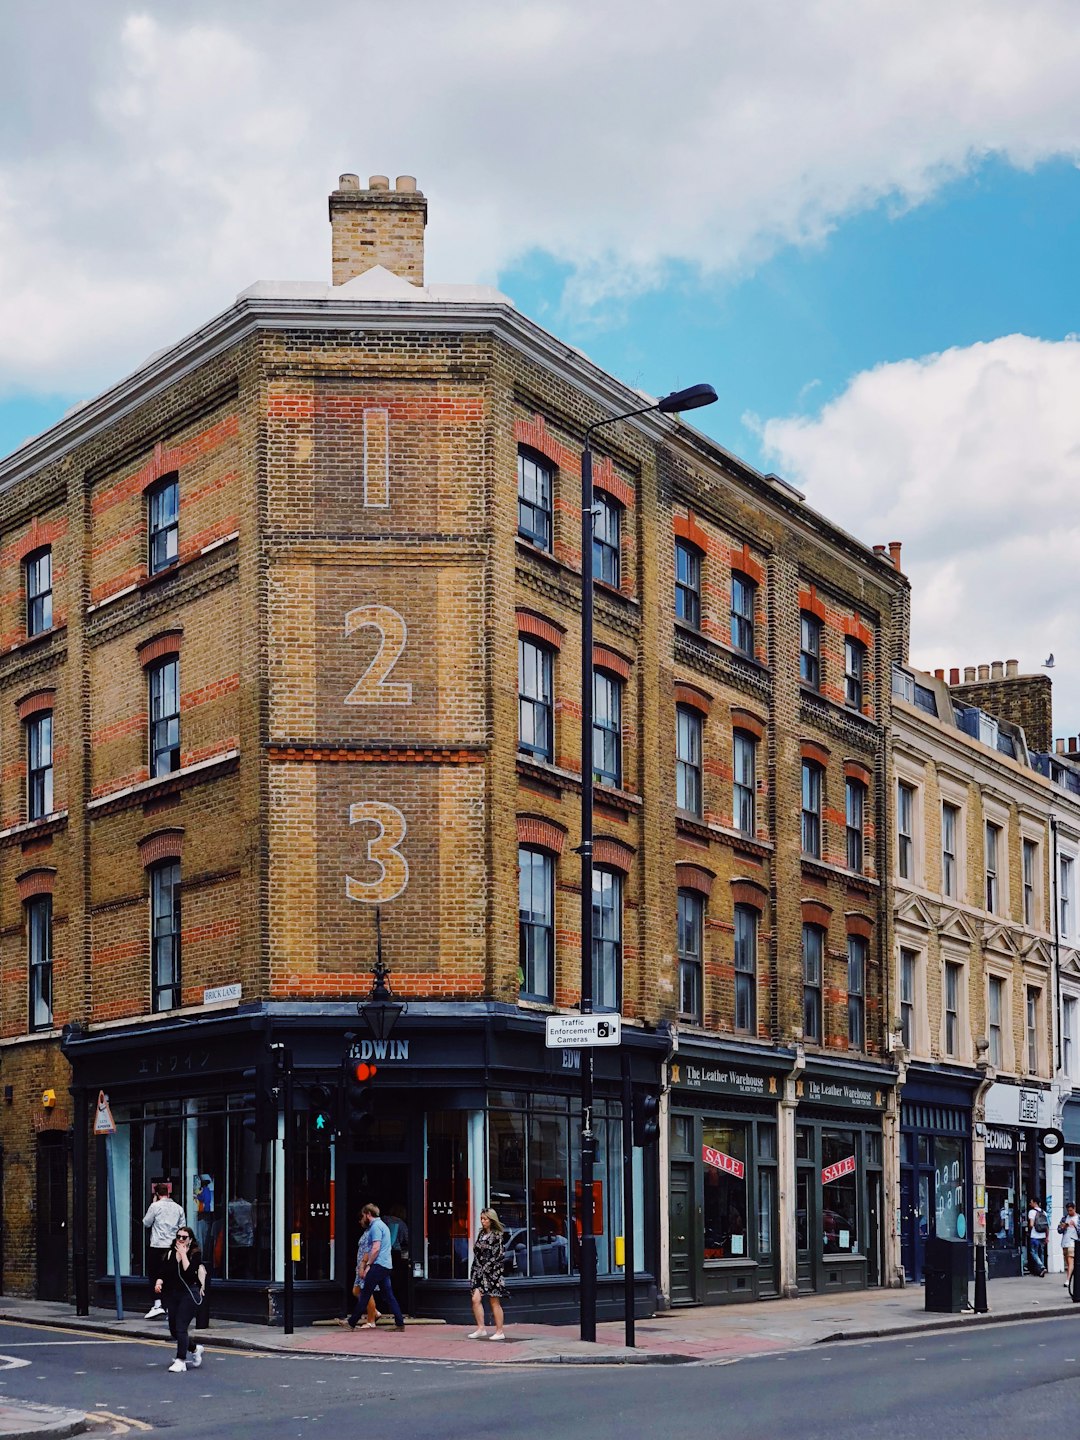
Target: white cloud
{"type": "Point", "coordinates": [156, 160]}
{"type": "Point", "coordinates": [972, 459]}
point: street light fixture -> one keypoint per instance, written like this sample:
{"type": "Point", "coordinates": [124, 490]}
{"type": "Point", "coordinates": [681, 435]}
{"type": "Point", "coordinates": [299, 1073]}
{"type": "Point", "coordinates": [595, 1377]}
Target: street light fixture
{"type": "Point", "coordinates": [692, 398]}
{"type": "Point", "coordinates": [382, 1009]}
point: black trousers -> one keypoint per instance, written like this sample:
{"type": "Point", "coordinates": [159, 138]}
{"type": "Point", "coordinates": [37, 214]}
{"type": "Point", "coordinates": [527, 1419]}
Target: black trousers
{"type": "Point", "coordinates": [180, 1308]}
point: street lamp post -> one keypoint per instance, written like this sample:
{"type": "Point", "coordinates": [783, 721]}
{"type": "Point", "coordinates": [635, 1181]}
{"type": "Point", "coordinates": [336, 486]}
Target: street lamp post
{"type": "Point", "coordinates": [692, 398]}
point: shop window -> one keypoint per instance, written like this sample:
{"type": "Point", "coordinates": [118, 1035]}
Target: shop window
{"type": "Point", "coordinates": [839, 1189]}
{"type": "Point", "coordinates": [810, 650]}
{"type": "Point", "coordinates": [607, 525]}
{"type": "Point", "coordinates": [607, 729]}
{"type": "Point", "coordinates": [535, 709]}
{"type": "Point", "coordinates": [766, 1141]}
{"type": "Point", "coordinates": [855, 803]}
{"type": "Point", "coordinates": [40, 961]}
{"type": "Point", "coordinates": [607, 908]}
{"type": "Point", "coordinates": [803, 1143]}
{"type": "Point", "coordinates": [548, 1236]}
{"type": "Point", "coordinates": [691, 915]}
{"type": "Point", "coordinates": [745, 783]}
{"type": "Point", "coordinates": [746, 940]}
{"type": "Point", "coordinates": [682, 1134]}
{"type": "Point", "coordinates": [743, 591]}
{"type": "Point", "coordinates": [535, 488]}
{"type": "Point", "coordinates": [766, 1211]}
{"type": "Point", "coordinates": [1002, 1228]}
{"type": "Point", "coordinates": [163, 523]}
{"type": "Point", "coordinates": [39, 765]}
{"type": "Point", "coordinates": [687, 584]}
{"type": "Point", "coordinates": [723, 1154]}
{"type": "Point", "coordinates": [688, 760]}
{"type": "Point", "coordinates": [164, 682]}
{"type": "Point", "coordinates": [813, 955]}
{"type": "Point", "coordinates": [536, 924]}
{"type": "Point", "coordinates": [39, 592]}
{"type": "Point", "coordinates": [812, 775]}
{"type": "Point", "coordinates": [449, 1240]}
{"type": "Point", "coordinates": [165, 935]}
{"type": "Point", "coordinates": [950, 1185]}
{"type": "Point", "coordinates": [856, 984]}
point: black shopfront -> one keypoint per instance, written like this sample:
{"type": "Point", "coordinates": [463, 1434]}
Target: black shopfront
{"type": "Point", "coordinates": [469, 1109]}
{"type": "Point", "coordinates": [935, 1162]}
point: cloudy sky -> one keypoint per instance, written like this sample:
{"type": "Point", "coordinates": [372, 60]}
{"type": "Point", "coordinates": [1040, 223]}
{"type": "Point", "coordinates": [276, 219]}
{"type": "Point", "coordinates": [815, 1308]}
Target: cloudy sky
{"type": "Point", "coordinates": [860, 221]}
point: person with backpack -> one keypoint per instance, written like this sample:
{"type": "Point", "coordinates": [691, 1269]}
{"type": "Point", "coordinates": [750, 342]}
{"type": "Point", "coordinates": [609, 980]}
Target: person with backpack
{"type": "Point", "coordinates": [1038, 1229]}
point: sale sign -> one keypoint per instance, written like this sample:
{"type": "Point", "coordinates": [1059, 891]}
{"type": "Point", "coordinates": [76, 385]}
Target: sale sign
{"type": "Point", "coordinates": [719, 1161]}
{"type": "Point", "coordinates": [841, 1168]}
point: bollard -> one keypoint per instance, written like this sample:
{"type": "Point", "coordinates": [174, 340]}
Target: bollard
{"type": "Point", "coordinates": [981, 1307]}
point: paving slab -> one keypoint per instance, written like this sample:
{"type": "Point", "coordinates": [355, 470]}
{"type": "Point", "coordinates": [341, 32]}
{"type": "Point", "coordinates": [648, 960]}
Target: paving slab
{"type": "Point", "coordinates": [22, 1417]}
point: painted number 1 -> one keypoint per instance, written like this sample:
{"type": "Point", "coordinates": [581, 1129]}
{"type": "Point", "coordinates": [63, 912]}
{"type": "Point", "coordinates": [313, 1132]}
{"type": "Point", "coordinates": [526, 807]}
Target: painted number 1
{"type": "Point", "coordinates": [382, 850]}
{"type": "Point", "coordinates": [373, 687]}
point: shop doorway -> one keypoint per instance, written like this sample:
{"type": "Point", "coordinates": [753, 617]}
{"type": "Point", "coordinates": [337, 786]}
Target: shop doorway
{"type": "Point", "coordinates": [807, 1228]}
{"type": "Point", "coordinates": [385, 1184]}
{"type": "Point", "coordinates": [681, 1233]}
{"type": "Point", "coordinates": [52, 1216]}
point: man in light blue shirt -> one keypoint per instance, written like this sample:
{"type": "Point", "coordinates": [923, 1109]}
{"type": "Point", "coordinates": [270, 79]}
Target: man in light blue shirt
{"type": "Point", "coordinates": [374, 1267]}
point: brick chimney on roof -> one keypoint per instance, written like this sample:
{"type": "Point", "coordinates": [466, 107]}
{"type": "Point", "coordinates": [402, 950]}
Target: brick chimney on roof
{"type": "Point", "coordinates": [377, 226]}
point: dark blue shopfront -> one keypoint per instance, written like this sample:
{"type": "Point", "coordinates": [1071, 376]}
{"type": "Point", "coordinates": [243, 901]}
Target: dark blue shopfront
{"type": "Point", "coordinates": [935, 1162]}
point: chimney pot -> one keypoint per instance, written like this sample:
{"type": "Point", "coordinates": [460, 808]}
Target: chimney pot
{"type": "Point", "coordinates": [954, 676]}
{"type": "Point", "coordinates": [984, 672]}
{"type": "Point", "coordinates": [939, 674]}
{"type": "Point", "coordinates": [405, 184]}
{"type": "Point", "coordinates": [1012, 669]}
{"type": "Point", "coordinates": [879, 549]}
{"type": "Point", "coordinates": [894, 552]}
{"type": "Point", "coordinates": [379, 182]}
{"type": "Point", "coordinates": [969, 674]}
{"type": "Point", "coordinates": [348, 181]}
{"type": "Point", "coordinates": [997, 671]}
{"type": "Point", "coordinates": [1059, 747]}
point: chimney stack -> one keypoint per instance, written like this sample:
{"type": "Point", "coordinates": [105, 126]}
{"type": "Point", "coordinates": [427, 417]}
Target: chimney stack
{"type": "Point", "coordinates": [894, 552]}
{"type": "Point", "coordinates": [377, 226]}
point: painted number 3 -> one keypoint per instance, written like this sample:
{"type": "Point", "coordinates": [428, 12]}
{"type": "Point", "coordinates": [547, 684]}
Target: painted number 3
{"type": "Point", "coordinates": [373, 687]}
{"type": "Point", "coordinates": [382, 850]}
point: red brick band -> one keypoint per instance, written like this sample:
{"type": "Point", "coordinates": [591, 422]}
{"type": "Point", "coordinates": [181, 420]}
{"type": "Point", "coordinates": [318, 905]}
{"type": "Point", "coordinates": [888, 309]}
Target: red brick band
{"type": "Point", "coordinates": [158, 646]}
{"type": "Point", "coordinates": [814, 913]}
{"type": "Point", "coordinates": [749, 892]}
{"type": "Point", "coordinates": [859, 925]}
{"type": "Point", "coordinates": [545, 630]}
{"type": "Point", "coordinates": [692, 696]}
{"type": "Point", "coordinates": [743, 720]}
{"type": "Point", "coordinates": [613, 853]}
{"type": "Point", "coordinates": [163, 845]}
{"type": "Point", "coordinates": [694, 877]}
{"type": "Point", "coordinates": [544, 834]}
{"type": "Point", "coordinates": [605, 659]}
{"type": "Point", "coordinates": [35, 882]}
{"type": "Point", "coordinates": [36, 703]}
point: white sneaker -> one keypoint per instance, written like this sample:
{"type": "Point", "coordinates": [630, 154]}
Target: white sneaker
{"type": "Point", "coordinates": [478, 1335]}
{"type": "Point", "coordinates": [178, 1367]}
{"type": "Point", "coordinates": [498, 1335]}
{"type": "Point", "coordinates": [156, 1309]}
{"type": "Point", "coordinates": [195, 1358]}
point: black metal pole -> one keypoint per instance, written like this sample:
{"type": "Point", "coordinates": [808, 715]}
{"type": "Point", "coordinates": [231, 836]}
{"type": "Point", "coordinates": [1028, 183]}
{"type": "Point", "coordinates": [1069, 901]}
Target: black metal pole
{"type": "Point", "coordinates": [80, 1191]}
{"type": "Point", "coordinates": [981, 1305]}
{"type": "Point", "coordinates": [628, 1197]}
{"type": "Point", "coordinates": [588, 1139]}
{"type": "Point", "coordinates": [288, 1159]}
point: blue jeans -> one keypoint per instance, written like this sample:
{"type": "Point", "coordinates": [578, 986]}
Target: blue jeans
{"type": "Point", "coordinates": [1037, 1253]}
{"type": "Point", "coordinates": [378, 1277]}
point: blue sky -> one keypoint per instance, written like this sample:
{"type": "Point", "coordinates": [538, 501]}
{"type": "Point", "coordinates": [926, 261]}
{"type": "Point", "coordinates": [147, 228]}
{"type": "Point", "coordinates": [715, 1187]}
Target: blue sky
{"type": "Point", "coordinates": [859, 222]}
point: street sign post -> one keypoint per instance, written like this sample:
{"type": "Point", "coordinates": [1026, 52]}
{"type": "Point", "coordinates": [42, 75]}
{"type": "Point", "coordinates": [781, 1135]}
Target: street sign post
{"type": "Point", "coordinates": [569, 1032]}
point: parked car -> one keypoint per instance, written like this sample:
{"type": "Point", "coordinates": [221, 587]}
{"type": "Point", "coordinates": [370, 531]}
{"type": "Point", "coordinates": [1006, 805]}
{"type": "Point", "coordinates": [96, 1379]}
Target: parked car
{"type": "Point", "coordinates": [549, 1255]}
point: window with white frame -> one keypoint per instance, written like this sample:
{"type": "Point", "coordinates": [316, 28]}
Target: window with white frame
{"type": "Point", "coordinates": [607, 529]}
{"type": "Point", "coordinates": [687, 583]}
{"type": "Point", "coordinates": [905, 830]}
{"type": "Point", "coordinates": [1029, 857]}
{"type": "Point", "coordinates": [536, 923]}
{"type": "Point", "coordinates": [856, 990]}
{"type": "Point", "coordinates": [535, 488]}
{"type": "Point", "coordinates": [607, 915]}
{"type": "Point", "coordinates": [744, 787]}
{"type": "Point", "coordinates": [688, 759]}
{"type": "Point", "coordinates": [995, 1020]}
{"type": "Point", "coordinates": [1068, 1036]}
{"type": "Point", "coordinates": [813, 957]}
{"type": "Point", "coordinates": [909, 964]}
{"type": "Point", "coordinates": [607, 728]}
{"type": "Point", "coordinates": [691, 926]}
{"type": "Point", "coordinates": [743, 591]}
{"type": "Point", "coordinates": [1066, 880]}
{"type": "Point", "coordinates": [1032, 1018]}
{"type": "Point", "coordinates": [855, 807]}
{"type": "Point", "coordinates": [993, 861]}
{"type": "Point", "coordinates": [954, 979]}
{"type": "Point", "coordinates": [950, 840]}
{"type": "Point", "coordinates": [854, 673]}
{"type": "Point", "coordinates": [746, 939]}
{"type": "Point", "coordinates": [535, 703]}
{"type": "Point", "coordinates": [812, 777]}
{"type": "Point", "coordinates": [810, 650]}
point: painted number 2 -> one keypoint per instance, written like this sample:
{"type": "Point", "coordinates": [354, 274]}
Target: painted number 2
{"type": "Point", "coordinates": [382, 850]}
{"type": "Point", "coordinates": [373, 687]}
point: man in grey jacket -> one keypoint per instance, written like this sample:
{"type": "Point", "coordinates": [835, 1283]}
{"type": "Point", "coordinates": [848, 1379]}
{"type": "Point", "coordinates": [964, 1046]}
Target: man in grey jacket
{"type": "Point", "coordinates": [162, 1219]}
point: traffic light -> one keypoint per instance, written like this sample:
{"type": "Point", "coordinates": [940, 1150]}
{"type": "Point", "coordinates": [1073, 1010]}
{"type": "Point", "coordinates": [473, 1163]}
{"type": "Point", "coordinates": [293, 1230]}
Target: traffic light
{"type": "Point", "coordinates": [320, 1114]}
{"type": "Point", "coordinates": [263, 1122]}
{"type": "Point", "coordinates": [359, 1096]}
{"type": "Point", "coordinates": [646, 1118]}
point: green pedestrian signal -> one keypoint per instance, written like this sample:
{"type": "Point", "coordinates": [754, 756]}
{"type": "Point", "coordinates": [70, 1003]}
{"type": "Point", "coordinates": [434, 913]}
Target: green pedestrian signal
{"type": "Point", "coordinates": [320, 1113]}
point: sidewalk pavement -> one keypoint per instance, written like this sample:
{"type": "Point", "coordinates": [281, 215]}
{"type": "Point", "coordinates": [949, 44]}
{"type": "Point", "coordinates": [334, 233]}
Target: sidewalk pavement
{"type": "Point", "coordinates": [717, 1333]}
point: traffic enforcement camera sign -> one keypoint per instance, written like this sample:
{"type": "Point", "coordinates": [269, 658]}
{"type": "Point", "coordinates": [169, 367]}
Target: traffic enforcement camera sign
{"type": "Point", "coordinates": [568, 1032]}
{"type": "Point", "coordinates": [104, 1124]}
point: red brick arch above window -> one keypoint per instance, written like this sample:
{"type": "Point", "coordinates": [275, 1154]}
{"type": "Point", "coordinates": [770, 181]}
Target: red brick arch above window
{"type": "Point", "coordinates": [745, 563]}
{"type": "Point", "coordinates": [544, 834]}
{"type": "Point", "coordinates": [161, 479]}
{"type": "Point", "coordinates": [605, 659]}
{"type": "Point", "coordinates": [162, 845]}
{"type": "Point", "coordinates": [743, 720]}
{"type": "Point", "coordinates": [692, 696]}
{"type": "Point", "coordinates": [815, 913]}
{"type": "Point", "coordinates": [694, 877]}
{"type": "Point", "coordinates": [605, 478]}
{"type": "Point", "coordinates": [687, 528]}
{"type": "Point", "coordinates": [37, 702]}
{"type": "Point", "coordinates": [749, 892]}
{"type": "Point", "coordinates": [811, 602]}
{"type": "Point", "coordinates": [856, 629]}
{"type": "Point", "coordinates": [855, 770]}
{"type": "Point", "coordinates": [36, 882]}
{"type": "Point", "coordinates": [811, 750]}
{"type": "Point", "coordinates": [859, 925]}
{"type": "Point", "coordinates": [546, 630]}
{"type": "Point", "coordinates": [159, 646]}
{"type": "Point", "coordinates": [614, 854]}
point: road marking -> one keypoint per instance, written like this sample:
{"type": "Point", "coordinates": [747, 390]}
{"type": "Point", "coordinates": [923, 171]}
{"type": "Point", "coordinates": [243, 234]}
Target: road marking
{"type": "Point", "coordinates": [121, 1424]}
{"type": "Point", "coordinates": [12, 1362]}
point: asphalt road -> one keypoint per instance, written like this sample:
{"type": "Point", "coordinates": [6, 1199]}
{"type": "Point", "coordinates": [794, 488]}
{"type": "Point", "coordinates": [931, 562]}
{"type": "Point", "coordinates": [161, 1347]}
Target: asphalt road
{"type": "Point", "coordinates": [999, 1382]}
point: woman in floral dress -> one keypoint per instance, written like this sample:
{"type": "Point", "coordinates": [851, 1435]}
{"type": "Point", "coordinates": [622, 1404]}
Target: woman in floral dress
{"type": "Point", "coordinates": [486, 1276]}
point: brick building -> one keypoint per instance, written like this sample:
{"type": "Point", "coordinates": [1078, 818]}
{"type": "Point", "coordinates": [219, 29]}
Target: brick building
{"type": "Point", "coordinates": [987, 836]}
{"type": "Point", "coordinates": [292, 628]}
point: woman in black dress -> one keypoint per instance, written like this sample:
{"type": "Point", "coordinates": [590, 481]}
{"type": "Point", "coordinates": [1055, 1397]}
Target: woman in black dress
{"type": "Point", "coordinates": [183, 1277]}
{"type": "Point", "coordinates": [486, 1276]}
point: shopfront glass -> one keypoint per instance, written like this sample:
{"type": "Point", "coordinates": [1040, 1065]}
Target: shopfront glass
{"type": "Point", "coordinates": [950, 1189]}
{"type": "Point", "coordinates": [723, 1154]}
{"type": "Point", "coordinates": [1001, 1202]}
{"type": "Point", "coordinates": [215, 1170]}
{"type": "Point", "coordinates": [839, 1192]}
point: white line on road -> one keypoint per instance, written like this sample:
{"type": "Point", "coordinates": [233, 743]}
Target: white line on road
{"type": "Point", "coordinates": [12, 1362]}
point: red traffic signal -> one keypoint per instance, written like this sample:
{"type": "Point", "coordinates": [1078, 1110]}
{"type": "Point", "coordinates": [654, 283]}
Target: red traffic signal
{"type": "Point", "coordinates": [363, 1071]}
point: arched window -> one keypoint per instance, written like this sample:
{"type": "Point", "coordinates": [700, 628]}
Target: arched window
{"type": "Point", "coordinates": [39, 594]}
{"type": "Point", "coordinates": [743, 590]}
{"type": "Point", "coordinates": [746, 944]}
{"type": "Point", "coordinates": [535, 489]}
{"type": "Point", "coordinates": [607, 527]}
{"type": "Point", "coordinates": [607, 728]}
{"type": "Point", "coordinates": [687, 583]}
{"type": "Point", "coordinates": [688, 759]}
{"type": "Point", "coordinates": [163, 523]}
{"type": "Point", "coordinates": [812, 775]}
{"type": "Point", "coordinates": [536, 727]}
{"type": "Point", "coordinates": [165, 935]}
{"type": "Point", "coordinates": [691, 928]}
{"type": "Point", "coordinates": [813, 958]}
{"type": "Point", "coordinates": [607, 946]}
{"type": "Point", "coordinates": [536, 923]}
